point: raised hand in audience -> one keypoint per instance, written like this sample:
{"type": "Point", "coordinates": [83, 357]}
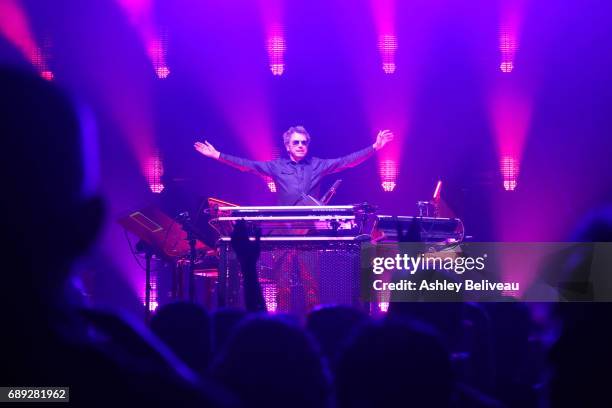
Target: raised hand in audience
{"type": "Point", "coordinates": [248, 251]}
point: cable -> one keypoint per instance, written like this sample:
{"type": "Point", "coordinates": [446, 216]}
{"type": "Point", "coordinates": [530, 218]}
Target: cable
{"type": "Point", "coordinates": [174, 221]}
{"type": "Point", "coordinates": [133, 251]}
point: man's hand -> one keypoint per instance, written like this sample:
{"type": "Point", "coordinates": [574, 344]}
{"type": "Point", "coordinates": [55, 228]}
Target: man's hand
{"type": "Point", "coordinates": [383, 137]}
{"type": "Point", "coordinates": [207, 149]}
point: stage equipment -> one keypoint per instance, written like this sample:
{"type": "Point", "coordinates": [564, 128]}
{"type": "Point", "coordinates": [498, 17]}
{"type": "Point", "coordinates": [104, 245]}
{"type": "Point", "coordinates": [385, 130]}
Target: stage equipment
{"type": "Point", "coordinates": [289, 221]}
{"type": "Point", "coordinates": [429, 229]}
{"type": "Point", "coordinates": [322, 243]}
{"type": "Point", "coordinates": [163, 236]}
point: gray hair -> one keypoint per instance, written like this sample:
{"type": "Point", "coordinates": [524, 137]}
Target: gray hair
{"type": "Point", "coordinates": [295, 129]}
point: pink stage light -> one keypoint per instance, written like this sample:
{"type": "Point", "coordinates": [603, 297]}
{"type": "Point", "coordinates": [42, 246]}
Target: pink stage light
{"type": "Point", "coordinates": [162, 72]}
{"type": "Point", "coordinates": [388, 186]}
{"type": "Point", "coordinates": [153, 299]}
{"type": "Point", "coordinates": [507, 47]}
{"type": "Point", "coordinates": [269, 294]}
{"type": "Point", "coordinates": [506, 67]}
{"type": "Point", "coordinates": [437, 191]}
{"type": "Point", "coordinates": [15, 27]}
{"type": "Point", "coordinates": [154, 172]}
{"type": "Point", "coordinates": [155, 39]}
{"type": "Point", "coordinates": [48, 75]}
{"type": "Point", "coordinates": [387, 45]}
{"type": "Point", "coordinates": [156, 187]}
{"type": "Point", "coordinates": [270, 183]}
{"type": "Point", "coordinates": [388, 174]}
{"type": "Point", "coordinates": [275, 154]}
{"type": "Point", "coordinates": [158, 49]}
{"type": "Point", "coordinates": [39, 61]}
{"type": "Point", "coordinates": [509, 171]}
{"type": "Point", "coordinates": [152, 304]}
{"type": "Point", "coordinates": [276, 51]}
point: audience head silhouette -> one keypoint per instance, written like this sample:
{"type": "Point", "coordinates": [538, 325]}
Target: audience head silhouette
{"type": "Point", "coordinates": [389, 362]}
{"type": "Point", "coordinates": [185, 328]}
{"type": "Point", "coordinates": [50, 212]}
{"type": "Point", "coordinates": [271, 362]}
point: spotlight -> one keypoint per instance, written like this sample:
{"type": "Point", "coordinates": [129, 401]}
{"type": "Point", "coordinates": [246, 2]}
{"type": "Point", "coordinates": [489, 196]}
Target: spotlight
{"type": "Point", "coordinates": [270, 183]}
{"type": "Point", "coordinates": [509, 171]}
{"type": "Point", "coordinates": [162, 72]}
{"type": "Point", "coordinates": [153, 173]}
{"type": "Point", "coordinates": [276, 51]}
{"type": "Point", "coordinates": [507, 47]}
{"type": "Point", "coordinates": [48, 75]}
{"type": "Point", "coordinates": [388, 174]}
{"type": "Point", "coordinates": [387, 45]}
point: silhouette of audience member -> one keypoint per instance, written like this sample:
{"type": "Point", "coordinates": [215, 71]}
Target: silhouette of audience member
{"type": "Point", "coordinates": [224, 321]}
{"type": "Point", "coordinates": [185, 328]}
{"type": "Point", "coordinates": [270, 362]}
{"type": "Point", "coordinates": [332, 326]}
{"type": "Point", "coordinates": [589, 266]}
{"type": "Point", "coordinates": [248, 253]}
{"type": "Point", "coordinates": [596, 227]}
{"type": "Point", "coordinates": [581, 358]}
{"type": "Point", "coordinates": [52, 214]}
{"type": "Point", "coordinates": [582, 355]}
{"type": "Point", "coordinates": [444, 317]}
{"type": "Point", "coordinates": [392, 363]}
{"type": "Point", "coordinates": [513, 379]}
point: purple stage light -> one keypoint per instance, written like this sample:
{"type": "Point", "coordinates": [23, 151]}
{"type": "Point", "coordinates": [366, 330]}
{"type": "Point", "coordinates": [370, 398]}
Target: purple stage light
{"type": "Point", "coordinates": [276, 51]}
{"type": "Point", "coordinates": [276, 45]}
{"type": "Point", "coordinates": [15, 27]}
{"type": "Point", "coordinates": [162, 72]}
{"type": "Point", "coordinates": [154, 39]}
{"type": "Point", "coordinates": [269, 294]}
{"type": "Point", "coordinates": [511, 16]}
{"type": "Point", "coordinates": [511, 112]}
{"type": "Point", "coordinates": [387, 45]}
{"type": "Point", "coordinates": [39, 61]}
{"type": "Point", "coordinates": [48, 75]}
{"type": "Point", "coordinates": [388, 186]}
{"type": "Point", "coordinates": [154, 172]}
{"type": "Point", "coordinates": [153, 293]}
{"type": "Point", "coordinates": [388, 174]}
{"type": "Point", "coordinates": [507, 47]}
{"type": "Point", "coordinates": [270, 183]}
{"type": "Point", "coordinates": [506, 66]}
{"type": "Point", "coordinates": [383, 14]}
{"type": "Point", "coordinates": [509, 171]}
{"type": "Point", "coordinates": [268, 180]}
{"type": "Point", "coordinates": [158, 49]}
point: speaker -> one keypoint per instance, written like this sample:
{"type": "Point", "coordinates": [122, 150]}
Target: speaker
{"type": "Point", "coordinates": [296, 276]}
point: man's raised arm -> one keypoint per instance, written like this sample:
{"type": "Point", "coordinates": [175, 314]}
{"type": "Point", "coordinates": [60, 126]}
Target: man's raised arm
{"type": "Point", "coordinates": [358, 157]}
{"type": "Point", "coordinates": [253, 166]}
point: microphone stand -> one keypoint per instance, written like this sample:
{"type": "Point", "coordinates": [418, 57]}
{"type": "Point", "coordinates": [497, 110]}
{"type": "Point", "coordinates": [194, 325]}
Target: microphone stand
{"type": "Point", "coordinates": [142, 246]}
{"type": "Point", "coordinates": [189, 229]}
{"type": "Point", "coordinates": [148, 256]}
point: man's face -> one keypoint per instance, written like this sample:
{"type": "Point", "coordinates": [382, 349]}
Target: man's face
{"type": "Point", "coordinates": [298, 146]}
